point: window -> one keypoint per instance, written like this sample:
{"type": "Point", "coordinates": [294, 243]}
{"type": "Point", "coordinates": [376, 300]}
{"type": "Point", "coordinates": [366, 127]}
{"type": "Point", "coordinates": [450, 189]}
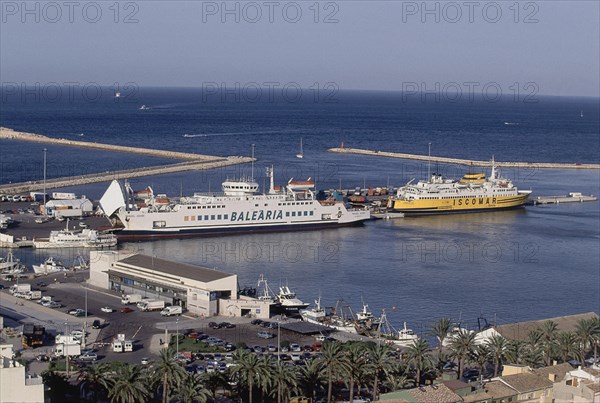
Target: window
{"type": "Point", "coordinates": [206, 217]}
{"type": "Point", "coordinates": [199, 218]}
{"type": "Point", "coordinates": [226, 216]}
{"type": "Point", "coordinates": [219, 217]}
{"type": "Point", "coordinates": [287, 213]}
{"type": "Point", "coordinates": [293, 214]}
{"type": "Point", "coordinates": [212, 217]}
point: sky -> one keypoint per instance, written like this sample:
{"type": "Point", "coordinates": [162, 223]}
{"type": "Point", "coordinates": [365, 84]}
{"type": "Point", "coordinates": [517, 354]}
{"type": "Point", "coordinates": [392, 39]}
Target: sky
{"type": "Point", "coordinates": [546, 47]}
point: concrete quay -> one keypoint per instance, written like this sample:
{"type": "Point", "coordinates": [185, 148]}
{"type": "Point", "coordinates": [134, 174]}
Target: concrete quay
{"type": "Point", "coordinates": [458, 161]}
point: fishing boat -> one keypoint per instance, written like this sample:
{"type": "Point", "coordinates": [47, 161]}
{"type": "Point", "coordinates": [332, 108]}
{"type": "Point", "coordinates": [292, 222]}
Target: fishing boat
{"type": "Point", "coordinates": [67, 238]}
{"type": "Point", "coordinates": [238, 209]}
{"type": "Point", "coordinates": [49, 266]}
{"type": "Point", "coordinates": [11, 265]}
{"type": "Point", "coordinates": [314, 315]}
{"type": "Point", "coordinates": [301, 153]}
{"type": "Point", "coordinates": [288, 300]}
{"type": "Point", "coordinates": [339, 318]}
{"type": "Point", "coordinates": [365, 321]}
{"type": "Point", "coordinates": [402, 337]}
{"type": "Point", "coordinates": [473, 193]}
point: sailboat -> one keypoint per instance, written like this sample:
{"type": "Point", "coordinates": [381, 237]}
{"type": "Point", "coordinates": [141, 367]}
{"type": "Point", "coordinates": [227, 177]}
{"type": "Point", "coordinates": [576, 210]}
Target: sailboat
{"type": "Point", "coordinates": [301, 153]}
{"type": "Point", "coordinates": [581, 114]}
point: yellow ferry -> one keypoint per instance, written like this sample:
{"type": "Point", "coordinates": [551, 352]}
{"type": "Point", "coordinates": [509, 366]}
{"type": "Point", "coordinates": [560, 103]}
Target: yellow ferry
{"type": "Point", "coordinates": [473, 193]}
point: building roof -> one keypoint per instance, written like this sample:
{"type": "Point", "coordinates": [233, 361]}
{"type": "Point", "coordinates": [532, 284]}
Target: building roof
{"type": "Point", "coordinates": [592, 371]}
{"type": "Point", "coordinates": [560, 370]}
{"type": "Point", "coordinates": [434, 393]}
{"type": "Point", "coordinates": [520, 330]}
{"type": "Point", "coordinates": [177, 269]}
{"type": "Point", "coordinates": [524, 383]}
{"type": "Point", "coordinates": [305, 327]}
{"type": "Point", "coordinates": [593, 386]}
{"type": "Point", "coordinates": [478, 396]}
{"type": "Point", "coordinates": [498, 389]}
{"type": "Point", "coordinates": [456, 384]}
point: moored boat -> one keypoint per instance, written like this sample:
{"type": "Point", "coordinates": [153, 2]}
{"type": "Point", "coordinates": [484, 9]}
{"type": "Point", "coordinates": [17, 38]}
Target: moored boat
{"type": "Point", "coordinates": [49, 266]}
{"type": "Point", "coordinates": [473, 193]}
{"type": "Point", "coordinates": [66, 238]}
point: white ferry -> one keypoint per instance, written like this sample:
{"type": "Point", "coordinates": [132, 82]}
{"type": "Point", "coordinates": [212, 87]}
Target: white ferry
{"type": "Point", "coordinates": [239, 209]}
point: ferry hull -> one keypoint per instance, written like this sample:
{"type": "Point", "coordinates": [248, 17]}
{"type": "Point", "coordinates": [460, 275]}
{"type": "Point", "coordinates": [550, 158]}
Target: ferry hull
{"type": "Point", "coordinates": [125, 235]}
{"type": "Point", "coordinates": [450, 206]}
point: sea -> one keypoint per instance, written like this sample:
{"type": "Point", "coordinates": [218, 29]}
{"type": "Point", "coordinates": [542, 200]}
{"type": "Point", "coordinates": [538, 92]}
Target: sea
{"type": "Point", "coordinates": [530, 263]}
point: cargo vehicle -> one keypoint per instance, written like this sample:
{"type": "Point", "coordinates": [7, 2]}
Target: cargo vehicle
{"type": "Point", "coordinates": [130, 299]}
{"type": "Point", "coordinates": [33, 335]}
{"type": "Point", "coordinates": [32, 295]}
{"type": "Point", "coordinates": [22, 288]}
{"type": "Point", "coordinates": [62, 350]}
{"type": "Point", "coordinates": [151, 305]}
{"type": "Point", "coordinates": [171, 310]}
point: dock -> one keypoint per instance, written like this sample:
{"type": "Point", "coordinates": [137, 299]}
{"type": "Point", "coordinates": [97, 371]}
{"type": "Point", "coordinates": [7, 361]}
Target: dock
{"type": "Point", "coordinates": [191, 162]}
{"type": "Point", "coordinates": [459, 161]}
{"type": "Point", "coordinates": [571, 198]}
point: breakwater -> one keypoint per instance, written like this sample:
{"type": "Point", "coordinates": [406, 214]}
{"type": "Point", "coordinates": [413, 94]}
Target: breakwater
{"type": "Point", "coordinates": [191, 162]}
{"type": "Point", "coordinates": [459, 161]}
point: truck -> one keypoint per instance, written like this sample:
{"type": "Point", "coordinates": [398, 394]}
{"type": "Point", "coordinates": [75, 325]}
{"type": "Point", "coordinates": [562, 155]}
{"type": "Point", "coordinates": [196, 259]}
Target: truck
{"type": "Point", "coordinates": [130, 299]}
{"type": "Point", "coordinates": [62, 350]}
{"type": "Point", "coordinates": [33, 294]}
{"type": "Point", "coordinates": [21, 288]}
{"type": "Point", "coordinates": [33, 335]}
{"type": "Point", "coordinates": [63, 196]}
{"type": "Point", "coordinates": [120, 345]}
{"type": "Point", "coordinates": [66, 339]}
{"type": "Point", "coordinates": [171, 310]}
{"type": "Point", "coordinates": [151, 305]}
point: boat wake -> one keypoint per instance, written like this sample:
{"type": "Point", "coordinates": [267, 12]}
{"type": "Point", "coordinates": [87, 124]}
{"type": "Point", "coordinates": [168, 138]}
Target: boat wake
{"type": "Point", "coordinates": [236, 133]}
{"type": "Point", "coordinates": [511, 124]}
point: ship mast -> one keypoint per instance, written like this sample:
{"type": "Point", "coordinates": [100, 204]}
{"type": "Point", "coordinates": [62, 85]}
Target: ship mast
{"type": "Point", "coordinates": [252, 169]}
{"type": "Point", "coordinates": [429, 163]}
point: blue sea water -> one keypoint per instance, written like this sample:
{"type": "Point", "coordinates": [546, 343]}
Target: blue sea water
{"type": "Point", "coordinates": [530, 263]}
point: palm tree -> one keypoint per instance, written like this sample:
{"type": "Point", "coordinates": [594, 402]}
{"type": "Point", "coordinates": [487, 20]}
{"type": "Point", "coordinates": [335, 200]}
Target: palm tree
{"type": "Point", "coordinates": [128, 385]}
{"type": "Point", "coordinates": [167, 371]}
{"type": "Point", "coordinates": [515, 351]}
{"type": "Point", "coordinates": [461, 347]}
{"type": "Point", "coordinates": [481, 356]}
{"type": "Point", "coordinates": [440, 330]}
{"type": "Point", "coordinates": [567, 345]}
{"type": "Point", "coordinates": [596, 334]}
{"type": "Point", "coordinates": [264, 378]}
{"type": "Point", "coordinates": [250, 367]}
{"type": "Point", "coordinates": [497, 345]}
{"type": "Point", "coordinates": [417, 355]}
{"type": "Point", "coordinates": [284, 380]}
{"type": "Point", "coordinates": [380, 364]}
{"type": "Point", "coordinates": [333, 360]}
{"type": "Point", "coordinates": [356, 358]}
{"type": "Point", "coordinates": [585, 331]}
{"type": "Point", "coordinates": [215, 380]}
{"type": "Point", "coordinates": [190, 389]}
{"type": "Point", "coordinates": [312, 377]}
{"type": "Point", "coordinates": [94, 378]}
{"type": "Point", "coordinates": [549, 331]}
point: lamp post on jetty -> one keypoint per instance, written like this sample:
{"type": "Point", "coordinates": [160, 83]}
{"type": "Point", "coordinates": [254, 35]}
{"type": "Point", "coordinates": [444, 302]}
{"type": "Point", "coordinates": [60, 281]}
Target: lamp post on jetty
{"type": "Point", "coordinates": [45, 151]}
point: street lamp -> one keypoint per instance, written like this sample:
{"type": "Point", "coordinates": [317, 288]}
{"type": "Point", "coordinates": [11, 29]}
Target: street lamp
{"type": "Point", "coordinates": [278, 341]}
{"type": "Point", "coordinates": [45, 150]}
{"type": "Point", "coordinates": [177, 336]}
{"type": "Point", "coordinates": [66, 349]}
{"type": "Point", "coordinates": [86, 314]}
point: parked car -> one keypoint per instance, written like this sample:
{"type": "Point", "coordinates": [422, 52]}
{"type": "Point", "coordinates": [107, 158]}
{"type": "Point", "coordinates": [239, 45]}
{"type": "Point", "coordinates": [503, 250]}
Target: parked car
{"type": "Point", "coordinates": [96, 324]}
{"type": "Point", "coordinates": [145, 361]}
{"type": "Point", "coordinates": [265, 335]}
{"type": "Point", "coordinates": [77, 312]}
{"type": "Point", "coordinates": [107, 309]}
{"type": "Point", "coordinates": [88, 357]}
{"type": "Point", "coordinates": [256, 321]}
{"type": "Point", "coordinates": [54, 305]}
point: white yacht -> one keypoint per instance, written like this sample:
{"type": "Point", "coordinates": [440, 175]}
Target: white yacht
{"type": "Point", "coordinates": [49, 266]}
{"type": "Point", "coordinates": [66, 238]}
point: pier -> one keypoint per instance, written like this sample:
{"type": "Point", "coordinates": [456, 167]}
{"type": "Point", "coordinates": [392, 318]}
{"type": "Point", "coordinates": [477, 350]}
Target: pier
{"type": "Point", "coordinates": [191, 162]}
{"type": "Point", "coordinates": [459, 161]}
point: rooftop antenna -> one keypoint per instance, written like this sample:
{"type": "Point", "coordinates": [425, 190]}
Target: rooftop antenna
{"type": "Point", "coordinates": [252, 169]}
{"type": "Point", "coordinates": [429, 163]}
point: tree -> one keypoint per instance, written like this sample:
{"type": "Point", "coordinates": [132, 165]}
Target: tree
{"type": "Point", "coordinates": [333, 361]}
{"type": "Point", "coordinates": [440, 330]}
{"type": "Point", "coordinates": [312, 378]}
{"type": "Point", "coordinates": [515, 351]}
{"type": "Point", "coordinates": [190, 389]}
{"type": "Point", "coordinates": [167, 371]}
{"type": "Point", "coordinates": [417, 356]}
{"type": "Point", "coordinates": [379, 364]}
{"type": "Point", "coordinates": [284, 380]}
{"type": "Point", "coordinates": [481, 355]}
{"type": "Point", "coordinates": [585, 332]}
{"type": "Point", "coordinates": [549, 332]}
{"type": "Point", "coordinates": [497, 345]}
{"type": "Point", "coordinates": [250, 368]}
{"type": "Point", "coordinates": [356, 359]}
{"type": "Point", "coordinates": [94, 378]}
{"type": "Point", "coordinates": [567, 345]}
{"type": "Point", "coordinates": [461, 347]}
{"type": "Point", "coordinates": [215, 380]}
{"type": "Point", "coordinates": [128, 385]}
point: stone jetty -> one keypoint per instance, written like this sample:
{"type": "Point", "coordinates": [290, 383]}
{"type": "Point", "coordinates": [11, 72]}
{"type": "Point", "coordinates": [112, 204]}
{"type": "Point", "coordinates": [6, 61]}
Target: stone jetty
{"type": "Point", "coordinates": [458, 161]}
{"type": "Point", "coordinates": [191, 162]}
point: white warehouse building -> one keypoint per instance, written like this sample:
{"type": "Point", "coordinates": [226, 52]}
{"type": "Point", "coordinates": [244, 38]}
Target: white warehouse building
{"type": "Point", "coordinates": [68, 208]}
{"type": "Point", "coordinates": [202, 291]}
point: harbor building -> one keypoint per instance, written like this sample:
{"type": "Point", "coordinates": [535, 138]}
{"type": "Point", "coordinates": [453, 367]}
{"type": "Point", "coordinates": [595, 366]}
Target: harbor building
{"type": "Point", "coordinates": [15, 384]}
{"type": "Point", "coordinates": [202, 291]}
{"type": "Point", "coordinates": [68, 208]}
